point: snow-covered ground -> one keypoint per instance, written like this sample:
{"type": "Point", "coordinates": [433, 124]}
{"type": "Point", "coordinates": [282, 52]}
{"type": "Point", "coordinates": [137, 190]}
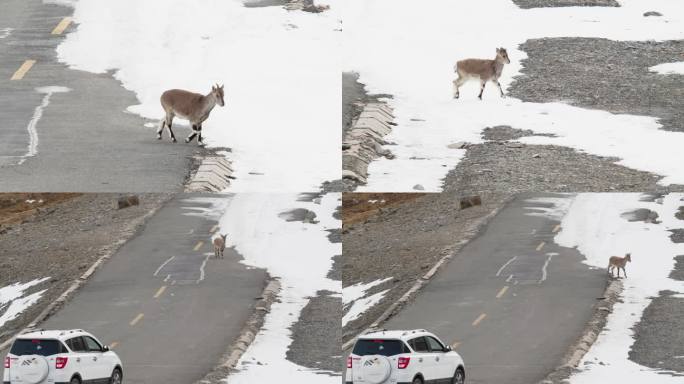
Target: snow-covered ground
{"type": "Point", "coordinates": [14, 300]}
{"type": "Point", "coordinates": [669, 68]}
{"type": "Point", "coordinates": [408, 49]}
{"type": "Point", "coordinates": [300, 256]}
{"type": "Point", "coordinates": [597, 226]}
{"type": "Point", "coordinates": [356, 300]}
{"type": "Point", "coordinates": [281, 72]}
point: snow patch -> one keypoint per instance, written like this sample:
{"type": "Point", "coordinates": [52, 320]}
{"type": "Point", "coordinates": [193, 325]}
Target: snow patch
{"type": "Point", "coordinates": [300, 256]}
{"type": "Point", "coordinates": [14, 301]}
{"type": "Point", "coordinates": [669, 68]}
{"type": "Point", "coordinates": [356, 301]}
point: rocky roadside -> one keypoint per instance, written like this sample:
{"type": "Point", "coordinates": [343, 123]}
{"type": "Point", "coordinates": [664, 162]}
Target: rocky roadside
{"type": "Point", "coordinates": [316, 336]}
{"type": "Point", "coordinates": [565, 3]}
{"type": "Point", "coordinates": [658, 336]}
{"type": "Point", "coordinates": [402, 242]}
{"type": "Point", "coordinates": [603, 74]}
{"type": "Point", "coordinates": [501, 164]}
{"type": "Point", "coordinates": [62, 241]}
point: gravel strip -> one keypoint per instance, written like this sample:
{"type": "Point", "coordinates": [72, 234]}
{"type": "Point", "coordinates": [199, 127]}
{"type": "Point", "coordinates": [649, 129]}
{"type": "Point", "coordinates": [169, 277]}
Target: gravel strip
{"type": "Point", "coordinates": [500, 165]}
{"type": "Point", "coordinates": [604, 74]}
{"type": "Point", "coordinates": [565, 3]}
{"type": "Point", "coordinates": [659, 337]}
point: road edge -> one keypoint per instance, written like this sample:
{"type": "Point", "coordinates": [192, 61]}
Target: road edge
{"type": "Point", "coordinates": [131, 230]}
{"type": "Point", "coordinates": [469, 235]}
{"type": "Point", "coordinates": [594, 326]}
{"type": "Point", "coordinates": [237, 348]}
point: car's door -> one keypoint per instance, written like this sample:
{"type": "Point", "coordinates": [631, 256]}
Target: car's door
{"type": "Point", "coordinates": [424, 359]}
{"type": "Point", "coordinates": [80, 360]}
{"type": "Point", "coordinates": [100, 361]}
{"type": "Point", "coordinates": [442, 361]}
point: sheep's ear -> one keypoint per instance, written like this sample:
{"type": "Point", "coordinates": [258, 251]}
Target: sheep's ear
{"type": "Point", "coordinates": [213, 88]}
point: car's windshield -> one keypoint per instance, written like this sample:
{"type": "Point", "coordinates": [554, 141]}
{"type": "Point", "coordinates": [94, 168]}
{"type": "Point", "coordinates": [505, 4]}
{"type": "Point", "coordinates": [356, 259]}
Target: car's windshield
{"type": "Point", "coordinates": [43, 347]}
{"type": "Point", "coordinates": [382, 347]}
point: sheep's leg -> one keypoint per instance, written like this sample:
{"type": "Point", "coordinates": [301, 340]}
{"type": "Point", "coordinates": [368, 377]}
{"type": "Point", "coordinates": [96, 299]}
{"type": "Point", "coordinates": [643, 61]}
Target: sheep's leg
{"type": "Point", "coordinates": [169, 121]}
{"type": "Point", "coordinates": [199, 135]}
{"type": "Point", "coordinates": [482, 86]}
{"type": "Point", "coordinates": [457, 84]}
{"type": "Point", "coordinates": [192, 135]}
{"type": "Point", "coordinates": [499, 85]}
{"type": "Point", "coordinates": [161, 128]}
{"type": "Point", "coordinates": [624, 272]}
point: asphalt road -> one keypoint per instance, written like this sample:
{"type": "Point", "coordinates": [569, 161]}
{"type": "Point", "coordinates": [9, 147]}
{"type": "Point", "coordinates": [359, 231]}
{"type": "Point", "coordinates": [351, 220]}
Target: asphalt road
{"type": "Point", "coordinates": [86, 142]}
{"type": "Point", "coordinates": [163, 305]}
{"type": "Point", "coordinates": [511, 302]}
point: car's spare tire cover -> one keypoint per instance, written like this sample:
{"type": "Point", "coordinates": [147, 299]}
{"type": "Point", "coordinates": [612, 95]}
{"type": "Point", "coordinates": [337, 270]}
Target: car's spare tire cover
{"type": "Point", "coordinates": [375, 369]}
{"type": "Point", "coordinates": [32, 369]}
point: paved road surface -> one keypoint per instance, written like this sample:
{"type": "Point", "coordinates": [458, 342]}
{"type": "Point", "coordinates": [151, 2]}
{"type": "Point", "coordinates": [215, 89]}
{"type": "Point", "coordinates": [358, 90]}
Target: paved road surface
{"type": "Point", "coordinates": [511, 315]}
{"type": "Point", "coordinates": [85, 139]}
{"type": "Point", "coordinates": [174, 334]}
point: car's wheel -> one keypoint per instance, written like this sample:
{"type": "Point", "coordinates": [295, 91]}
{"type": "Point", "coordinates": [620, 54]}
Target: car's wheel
{"type": "Point", "coordinates": [459, 376]}
{"type": "Point", "coordinates": [117, 377]}
{"type": "Point", "coordinates": [417, 380]}
{"type": "Point", "coordinates": [75, 380]}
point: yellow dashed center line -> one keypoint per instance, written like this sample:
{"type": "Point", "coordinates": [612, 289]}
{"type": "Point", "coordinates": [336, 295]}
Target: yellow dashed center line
{"type": "Point", "coordinates": [59, 29]}
{"type": "Point", "coordinates": [502, 292]}
{"type": "Point", "coordinates": [198, 246]}
{"type": "Point", "coordinates": [214, 228]}
{"type": "Point", "coordinates": [556, 228]}
{"type": "Point", "coordinates": [113, 345]}
{"type": "Point", "coordinates": [160, 291]}
{"type": "Point", "coordinates": [455, 344]}
{"type": "Point", "coordinates": [479, 319]}
{"type": "Point", "coordinates": [541, 245]}
{"type": "Point", "coordinates": [137, 319]}
{"type": "Point", "coordinates": [19, 74]}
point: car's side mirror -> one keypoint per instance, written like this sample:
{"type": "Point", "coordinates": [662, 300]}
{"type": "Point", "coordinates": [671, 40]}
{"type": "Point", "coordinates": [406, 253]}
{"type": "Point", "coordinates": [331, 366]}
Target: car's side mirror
{"type": "Point", "coordinates": [105, 348]}
{"type": "Point", "coordinates": [447, 348]}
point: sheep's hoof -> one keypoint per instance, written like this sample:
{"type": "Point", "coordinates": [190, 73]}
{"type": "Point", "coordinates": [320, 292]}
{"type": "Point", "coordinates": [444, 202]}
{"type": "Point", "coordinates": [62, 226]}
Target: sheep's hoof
{"type": "Point", "coordinates": [173, 139]}
{"type": "Point", "coordinates": [159, 136]}
{"type": "Point", "coordinates": [200, 143]}
{"type": "Point", "coordinates": [187, 140]}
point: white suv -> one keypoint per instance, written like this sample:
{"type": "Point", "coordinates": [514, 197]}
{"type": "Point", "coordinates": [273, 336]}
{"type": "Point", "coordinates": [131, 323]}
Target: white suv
{"type": "Point", "coordinates": [61, 357]}
{"type": "Point", "coordinates": [415, 357]}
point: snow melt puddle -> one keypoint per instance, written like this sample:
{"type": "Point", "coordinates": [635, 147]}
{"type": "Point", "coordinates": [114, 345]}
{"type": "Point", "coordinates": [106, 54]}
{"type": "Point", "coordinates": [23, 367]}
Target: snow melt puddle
{"type": "Point", "coordinates": [14, 301]}
{"type": "Point", "coordinates": [551, 207]}
{"type": "Point", "coordinates": [408, 49]}
{"type": "Point", "coordinates": [280, 70]}
{"type": "Point", "coordinates": [669, 68]}
{"type": "Point", "coordinates": [300, 256]}
{"type": "Point", "coordinates": [356, 300]}
{"type": "Point", "coordinates": [594, 223]}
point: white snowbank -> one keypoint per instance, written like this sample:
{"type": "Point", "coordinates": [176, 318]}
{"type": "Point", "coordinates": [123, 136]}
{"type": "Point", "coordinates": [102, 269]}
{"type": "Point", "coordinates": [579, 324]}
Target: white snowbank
{"type": "Point", "coordinates": [356, 301]}
{"type": "Point", "coordinates": [408, 49]}
{"type": "Point", "coordinates": [595, 225]}
{"type": "Point", "coordinates": [280, 69]}
{"type": "Point", "coordinates": [300, 256]}
{"type": "Point", "coordinates": [669, 68]}
{"type": "Point", "coordinates": [13, 300]}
